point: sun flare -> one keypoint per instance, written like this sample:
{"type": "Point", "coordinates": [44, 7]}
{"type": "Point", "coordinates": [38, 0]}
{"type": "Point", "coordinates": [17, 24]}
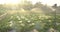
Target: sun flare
{"type": "Point", "coordinates": [48, 2]}
{"type": "Point", "coordinates": [13, 1]}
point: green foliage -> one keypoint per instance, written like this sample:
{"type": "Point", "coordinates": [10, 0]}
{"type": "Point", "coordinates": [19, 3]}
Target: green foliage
{"type": "Point", "coordinates": [27, 22]}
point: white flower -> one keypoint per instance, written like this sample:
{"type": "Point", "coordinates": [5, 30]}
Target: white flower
{"type": "Point", "coordinates": [22, 24]}
{"type": "Point", "coordinates": [49, 20]}
{"type": "Point", "coordinates": [33, 24]}
{"type": "Point", "coordinates": [20, 21]}
{"type": "Point", "coordinates": [18, 17]}
{"type": "Point", "coordinates": [29, 21]}
{"type": "Point", "coordinates": [11, 23]}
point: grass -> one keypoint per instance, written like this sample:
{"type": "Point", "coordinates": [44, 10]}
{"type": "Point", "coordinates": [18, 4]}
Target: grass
{"type": "Point", "coordinates": [28, 21]}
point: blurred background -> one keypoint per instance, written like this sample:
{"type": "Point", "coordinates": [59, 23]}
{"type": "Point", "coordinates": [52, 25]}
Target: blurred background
{"type": "Point", "coordinates": [29, 15]}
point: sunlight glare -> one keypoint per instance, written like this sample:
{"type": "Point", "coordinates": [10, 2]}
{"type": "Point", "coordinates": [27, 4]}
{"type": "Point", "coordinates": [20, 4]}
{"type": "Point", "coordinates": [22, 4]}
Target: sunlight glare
{"type": "Point", "coordinates": [12, 1]}
{"type": "Point", "coordinates": [48, 2]}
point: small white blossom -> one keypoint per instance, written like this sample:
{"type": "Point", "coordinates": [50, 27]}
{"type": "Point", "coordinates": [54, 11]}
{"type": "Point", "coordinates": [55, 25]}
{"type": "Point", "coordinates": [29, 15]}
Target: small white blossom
{"type": "Point", "coordinates": [49, 20]}
{"type": "Point", "coordinates": [11, 23]}
{"type": "Point", "coordinates": [29, 21]}
{"type": "Point", "coordinates": [33, 24]}
{"type": "Point", "coordinates": [22, 24]}
{"type": "Point", "coordinates": [18, 17]}
{"type": "Point", "coordinates": [20, 21]}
